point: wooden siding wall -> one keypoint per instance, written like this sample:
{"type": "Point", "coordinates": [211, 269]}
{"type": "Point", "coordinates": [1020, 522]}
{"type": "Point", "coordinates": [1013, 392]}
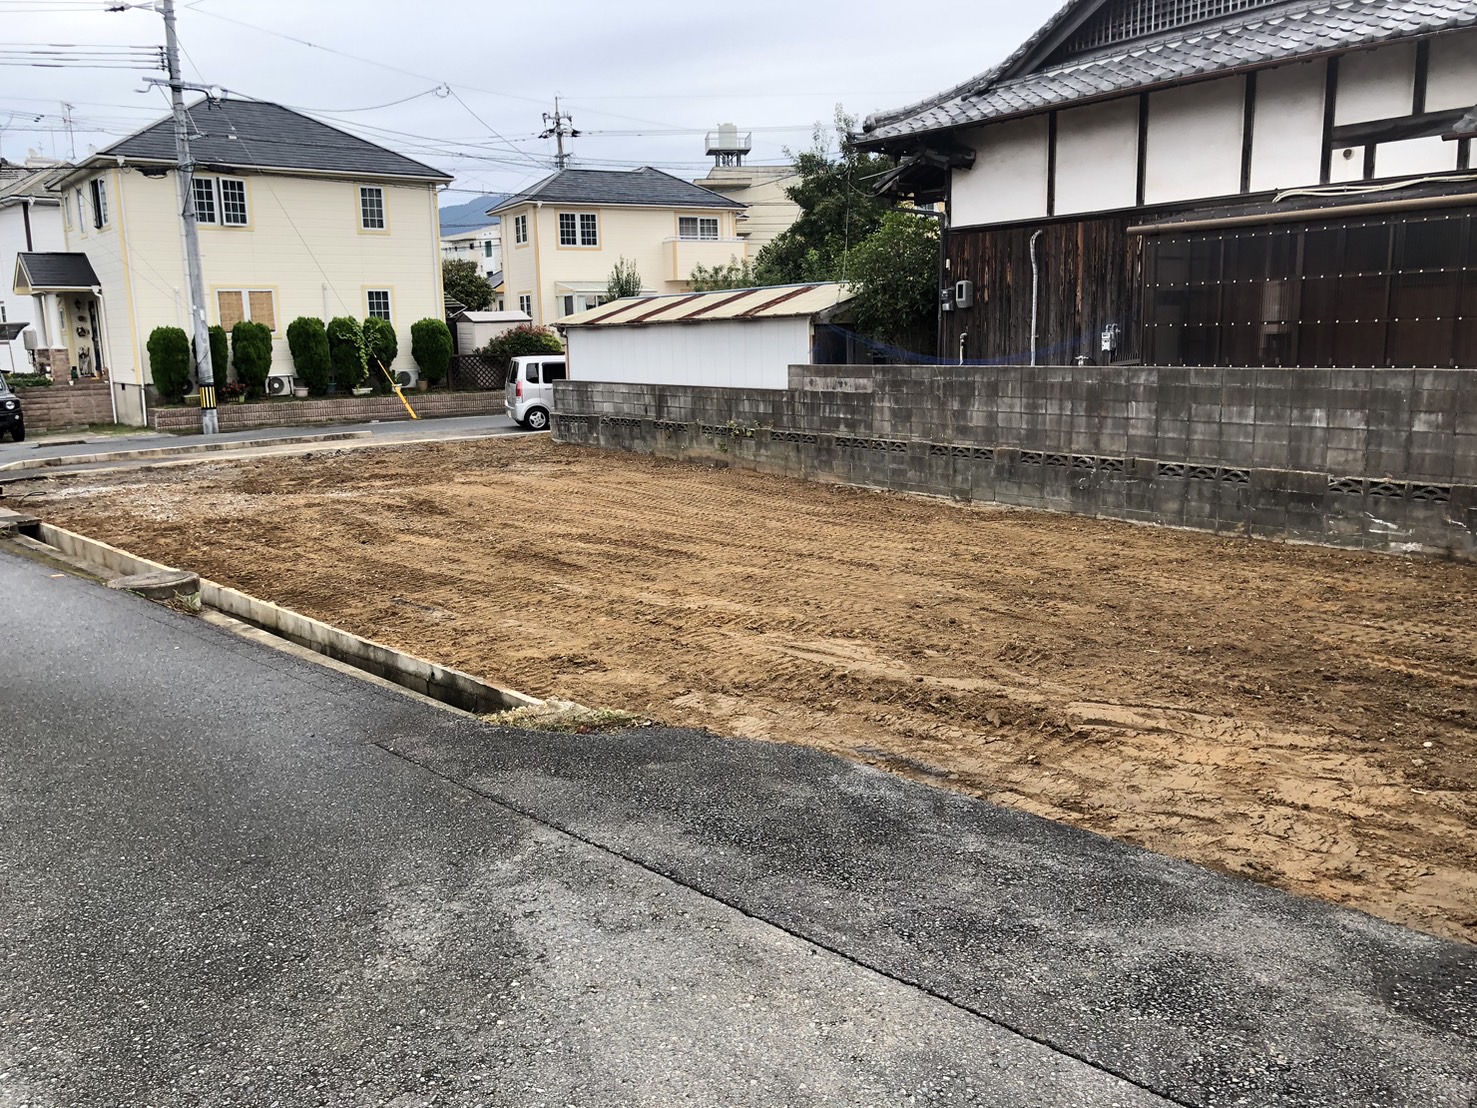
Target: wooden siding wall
{"type": "Point", "coordinates": [1090, 276]}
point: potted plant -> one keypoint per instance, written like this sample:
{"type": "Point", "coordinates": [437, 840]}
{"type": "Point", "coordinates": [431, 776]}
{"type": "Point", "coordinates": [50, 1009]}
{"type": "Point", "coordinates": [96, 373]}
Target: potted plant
{"type": "Point", "coordinates": [234, 391]}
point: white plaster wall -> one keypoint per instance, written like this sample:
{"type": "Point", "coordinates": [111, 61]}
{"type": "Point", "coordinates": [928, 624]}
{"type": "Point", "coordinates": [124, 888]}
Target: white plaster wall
{"type": "Point", "coordinates": [1097, 157]}
{"type": "Point", "coordinates": [1451, 75]}
{"type": "Point", "coordinates": [737, 354]}
{"type": "Point", "coordinates": [46, 235]}
{"type": "Point", "coordinates": [1342, 169]}
{"type": "Point", "coordinates": [1375, 84]}
{"type": "Point", "coordinates": [1287, 131]}
{"type": "Point", "coordinates": [1194, 147]}
{"type": "Point", "coordinates": [1432, 154]}
{"type": "Point", "coordinates": [1008, 181]}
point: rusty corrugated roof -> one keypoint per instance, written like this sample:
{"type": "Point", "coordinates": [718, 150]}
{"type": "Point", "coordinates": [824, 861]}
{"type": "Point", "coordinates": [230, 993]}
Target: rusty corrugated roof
{"type": "Point", "coordinates": [771, 302]}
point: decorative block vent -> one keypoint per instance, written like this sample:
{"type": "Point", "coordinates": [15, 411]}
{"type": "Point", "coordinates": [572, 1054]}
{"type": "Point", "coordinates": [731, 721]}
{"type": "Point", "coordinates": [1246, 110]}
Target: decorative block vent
{"type": "Point", "coordinates": [1112, 465]}
{"type": "Point", "coordinates": [1348, 486]}
{"type": "Point", "coordinates": [935, 450]}
{"type": "Point", "coordinates": [623, 421]}
{"type": "Point", "coordinates": [1386, 488]}
{"type": "Point", "coordinates": [1170, 469]}
{"type": "Point", "coordinates": [1235, 476]}
{"type": "Point", "coordinates": [1435, 494]}
{"type": "Point", "coordinates": [670, 426]}
{"type": "Point", "coordinates": [1201, 473]}
{"type": "Point", "coordinates": [792, 436]}
{"type": "Point", "coordinates": [1084, 461]}
{"type": "Point", "coordinates": [1060, 461]}
{"type": "Point", "coordinates": [710, 429]}
{"type": "Point", "coordinates": [1032, 457]}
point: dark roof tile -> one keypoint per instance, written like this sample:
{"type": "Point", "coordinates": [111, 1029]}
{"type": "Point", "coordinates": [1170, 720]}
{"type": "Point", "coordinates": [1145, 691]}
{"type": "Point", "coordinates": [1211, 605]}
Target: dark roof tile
{"type": "Point", "coordinates": [58, 271]}
{"type": "Point", "coordinates": [1260, 37]}
{"type": "Point", "coordinates": [644, 187]}
{"type": "Point", "coordinates": [252, 134]}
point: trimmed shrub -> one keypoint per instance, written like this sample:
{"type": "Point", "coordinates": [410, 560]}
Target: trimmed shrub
{"type": "Point", "coordinates": [523, 339]}
{"type": "Point", "coordinates": [28, 381]}
{"type": "Point", "coordinates": [169, 361]}
{"type": "Point", "coordinates": [220, 355]}
{"type": "Point", "coordinates": [383, 347]}
{"type": "Point", "coordinates": [307, 341]}
{"type": "Point", "coordinates": [346, 352]}
{"type": "Point", "coordinates": [431, 347]}
{"type": "Point", "coordinates": [251, 353]}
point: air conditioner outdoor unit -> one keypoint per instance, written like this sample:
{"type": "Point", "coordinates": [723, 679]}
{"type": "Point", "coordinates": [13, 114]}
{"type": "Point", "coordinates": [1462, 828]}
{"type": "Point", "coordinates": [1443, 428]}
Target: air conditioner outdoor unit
{"type": "Point", "coordinates": [279, 385]}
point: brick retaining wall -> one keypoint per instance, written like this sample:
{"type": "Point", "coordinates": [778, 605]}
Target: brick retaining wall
{"type": "Point", "coordinates": [1380, 459]}
{"type": "Point", "coordinates": [64, 405]}
{"type": "Point", "coordinates": [303, 413]}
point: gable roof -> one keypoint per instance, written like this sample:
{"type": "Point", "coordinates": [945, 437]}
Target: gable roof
{"type": "Point", "coordinates": [636, 188]}
{"type": "Point", "coordinates": [53, 272]}
{"type": "Point", "coordinates": [253, 134]}
{"type": "Point", "coordinates": [1030, 81]}
{"type": "Point", "coordinates": [35, 185]}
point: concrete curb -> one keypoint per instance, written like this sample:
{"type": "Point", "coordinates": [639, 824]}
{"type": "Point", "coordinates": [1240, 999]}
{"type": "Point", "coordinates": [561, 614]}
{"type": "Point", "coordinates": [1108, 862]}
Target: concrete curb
{"type": "Point", "coordinates": [172, 451]}
{"type": "Point", "coordinates": [450, 686]}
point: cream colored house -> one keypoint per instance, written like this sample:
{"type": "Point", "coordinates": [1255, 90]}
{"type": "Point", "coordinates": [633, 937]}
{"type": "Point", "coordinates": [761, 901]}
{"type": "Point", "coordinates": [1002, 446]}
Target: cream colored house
{"type": "Point", "coordinates": [296, 218]}
{"type": "Point", "coordinates": [562, 237]}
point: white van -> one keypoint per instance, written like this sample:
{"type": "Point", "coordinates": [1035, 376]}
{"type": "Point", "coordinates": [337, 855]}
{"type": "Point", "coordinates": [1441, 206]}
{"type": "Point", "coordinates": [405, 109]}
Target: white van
{"type": "Point", "coordinates": [530, 390]}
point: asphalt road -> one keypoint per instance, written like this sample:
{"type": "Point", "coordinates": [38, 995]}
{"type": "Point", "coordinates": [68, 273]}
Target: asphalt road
{"type": "Point", "coordinates": [228, 877]}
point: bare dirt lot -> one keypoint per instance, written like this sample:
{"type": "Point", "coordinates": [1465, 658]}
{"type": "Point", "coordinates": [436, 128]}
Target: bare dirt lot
{"type": "Point", "coordinates": [1305, 717]}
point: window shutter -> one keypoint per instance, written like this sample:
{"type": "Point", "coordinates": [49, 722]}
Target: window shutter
{"type": "Point", "coordinates": [262, 308]}
{"type": "Point", "coordinates": [230, 306]}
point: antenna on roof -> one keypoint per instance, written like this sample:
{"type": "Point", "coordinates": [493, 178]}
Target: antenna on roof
{"type": "Point", "coordinates": [557, 126]}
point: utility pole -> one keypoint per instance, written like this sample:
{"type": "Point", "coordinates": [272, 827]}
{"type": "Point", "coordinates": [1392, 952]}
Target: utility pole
{"type": "Point", "coordinates": [195, 298]}
{"type": "Point", "coordinates": [71, 134]}
{"type": "Point", "coordinates": [557, 126]}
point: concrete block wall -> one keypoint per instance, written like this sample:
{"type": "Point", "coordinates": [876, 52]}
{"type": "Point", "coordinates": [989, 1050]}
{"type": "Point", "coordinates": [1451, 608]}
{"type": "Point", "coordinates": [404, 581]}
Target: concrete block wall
{"type": "Point", "coordinates": [305, 413]}
{"type": "Point", "coordinates": [1375, 459]}
{"type": "Point", "coordinates": [63, 405]}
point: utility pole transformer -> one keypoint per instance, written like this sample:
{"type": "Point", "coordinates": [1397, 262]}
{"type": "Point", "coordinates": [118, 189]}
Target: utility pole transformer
{"type": "Point", "coordinates": [557, 126]}
{"type": "Point", "coordinates": [195, 298]}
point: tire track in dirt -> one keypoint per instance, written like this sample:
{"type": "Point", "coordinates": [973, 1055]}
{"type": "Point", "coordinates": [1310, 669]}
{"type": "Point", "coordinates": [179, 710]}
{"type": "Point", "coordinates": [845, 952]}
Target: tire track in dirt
{"type": "Point", "coordinates": [1262, 709]}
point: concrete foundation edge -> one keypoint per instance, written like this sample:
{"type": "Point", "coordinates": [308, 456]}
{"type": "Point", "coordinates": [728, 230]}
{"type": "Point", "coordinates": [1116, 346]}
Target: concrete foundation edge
{"type": "Point", "coordinates": [441, 683]}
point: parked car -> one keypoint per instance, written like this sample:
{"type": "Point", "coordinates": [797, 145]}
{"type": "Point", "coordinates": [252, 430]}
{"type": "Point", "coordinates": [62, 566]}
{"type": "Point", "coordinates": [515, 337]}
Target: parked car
{"type": "Point", "coordinates": [12, 419]}
{"type": "Point", "coordinates": [529, 396]}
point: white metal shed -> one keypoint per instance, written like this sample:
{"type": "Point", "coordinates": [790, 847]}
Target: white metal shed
{"type": "Point", "coordinates": [474, 330]}
{"type": "Point", "coordinates": [735, 338]}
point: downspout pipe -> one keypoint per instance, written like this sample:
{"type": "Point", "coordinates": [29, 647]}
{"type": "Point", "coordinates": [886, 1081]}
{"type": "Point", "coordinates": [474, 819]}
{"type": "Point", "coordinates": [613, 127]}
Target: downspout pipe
{"type": "Point", "coordinates": [1035, 290]}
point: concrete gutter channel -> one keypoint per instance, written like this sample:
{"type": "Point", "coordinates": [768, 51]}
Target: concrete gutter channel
{"type": "Point", "coordinates": [440, 683]}
{"type": "Point", "coordinates": [175, 451]}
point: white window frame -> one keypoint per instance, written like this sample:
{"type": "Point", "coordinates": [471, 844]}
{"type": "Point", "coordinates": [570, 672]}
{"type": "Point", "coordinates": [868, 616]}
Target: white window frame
{"type": "Point", "coordinates": [369, 304]}
{"type": "Point", "coordinates": [246, 303]}
{"type": "Point", "coordinates": [81, 210]}
{"type": "Point", "coordinates": [375, 193]}
{"type": "Point", "coordinates": [210, 190]}
{"type": "Point", "coordinates": [525, 303]}
{"type": "Point", "coordinates": [583, 230]}
{"type": "Point", "coordinates": [487, 248]}
{"type": "Point", "coordinates": [99, 188]}
{"type": "Point", "coordinates": [520, 230]}
{"type": "Point", "coordinates": [699, 224]}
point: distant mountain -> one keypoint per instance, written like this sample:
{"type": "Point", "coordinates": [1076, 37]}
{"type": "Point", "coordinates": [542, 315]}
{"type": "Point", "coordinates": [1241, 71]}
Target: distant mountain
{"type": "Point", "coordinates": [456, 218]}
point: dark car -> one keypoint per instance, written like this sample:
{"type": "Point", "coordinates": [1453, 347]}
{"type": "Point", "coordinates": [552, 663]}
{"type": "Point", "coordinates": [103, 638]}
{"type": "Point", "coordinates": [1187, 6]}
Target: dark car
{"type": "Point", "coordinates": [11, 417]}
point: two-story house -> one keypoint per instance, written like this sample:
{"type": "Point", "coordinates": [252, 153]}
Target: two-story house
{"type": "Point", "coordinates": [564, 236]}
{"type": "Point", "coordinates": [1210, 182]}
{"type": "Point", "coordinates": [296, 218]}
{"type": "Point", "coordinates": [30, 222]}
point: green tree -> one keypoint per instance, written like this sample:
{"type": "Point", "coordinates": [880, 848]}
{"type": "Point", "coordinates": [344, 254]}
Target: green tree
{"type": "Point", "coordinates": [837, 211]}
{"type": "Point", "coordinates": [625, 279]}
{"type": "Point", "coordinates": [463, 281]}
{"type": "Point", "coordinates": [307, 341]}
{"type": "Point", "coordinates": [169, 361]}
{"type": "Point", "coordinates": [431, 347]}
{"type": "Point", "coordinates": [346, 352]}
{"type": "Point", "coordinates": [251, 350]}
{"type": "Point", "coordinates": [524, 339]}
{"type": "Point", "coordinates": [383, 347]}
{"type": "Point", "coordinates": [737, 274]}
{"type": "Point", "coordinates": [894, 275]}
{"type": "Point", "coordinates": [220, 354]}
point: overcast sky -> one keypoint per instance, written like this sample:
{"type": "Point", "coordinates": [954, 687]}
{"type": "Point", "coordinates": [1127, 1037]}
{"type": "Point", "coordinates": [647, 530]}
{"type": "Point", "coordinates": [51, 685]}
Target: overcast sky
{"type": "Point", "coordinates": [626, 72]}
